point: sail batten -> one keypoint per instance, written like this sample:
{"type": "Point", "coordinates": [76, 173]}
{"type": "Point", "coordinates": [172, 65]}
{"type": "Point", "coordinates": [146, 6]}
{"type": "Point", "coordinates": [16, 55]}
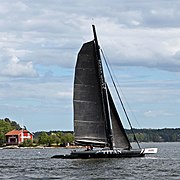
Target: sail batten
{"type": "Point", "coordinates": [87, 121]}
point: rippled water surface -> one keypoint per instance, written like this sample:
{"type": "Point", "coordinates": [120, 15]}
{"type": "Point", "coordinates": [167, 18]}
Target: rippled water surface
{"type": "Point", "coordinates": [37, 164]}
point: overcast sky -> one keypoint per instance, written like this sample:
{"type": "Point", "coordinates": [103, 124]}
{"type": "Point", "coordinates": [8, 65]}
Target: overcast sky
{"type": "Point", "coordinates": [39, 42]}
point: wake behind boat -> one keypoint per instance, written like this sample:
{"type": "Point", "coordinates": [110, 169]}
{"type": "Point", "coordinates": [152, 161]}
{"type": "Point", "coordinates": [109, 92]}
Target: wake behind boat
{"type": "Point", "coordinates": [96, 120]}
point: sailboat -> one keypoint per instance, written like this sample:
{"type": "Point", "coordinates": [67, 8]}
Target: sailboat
{"type": "Point", "coordinates": [97, 124]}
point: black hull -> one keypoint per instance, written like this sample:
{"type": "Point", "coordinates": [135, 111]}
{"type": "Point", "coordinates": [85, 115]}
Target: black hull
{"type": "Point", "coordinates": [102, 154]}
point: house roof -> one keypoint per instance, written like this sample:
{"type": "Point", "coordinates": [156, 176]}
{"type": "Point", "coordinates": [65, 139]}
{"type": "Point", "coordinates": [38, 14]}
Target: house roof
{"type": "Point", "coordinates": [15, 132]}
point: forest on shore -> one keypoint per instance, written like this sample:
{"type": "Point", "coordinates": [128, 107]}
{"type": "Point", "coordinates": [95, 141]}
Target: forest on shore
{"type": "Point", "coordinates": [63, 138]}
{"type": "Point", "coordinates": [155, 135]}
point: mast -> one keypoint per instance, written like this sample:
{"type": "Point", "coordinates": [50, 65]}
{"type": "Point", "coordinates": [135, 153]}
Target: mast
{"type": "Point", "coordinates": [103, 85]}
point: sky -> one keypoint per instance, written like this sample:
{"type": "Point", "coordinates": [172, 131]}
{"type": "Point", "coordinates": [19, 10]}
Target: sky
{"type": "Point", "coordinates": [39, 42]}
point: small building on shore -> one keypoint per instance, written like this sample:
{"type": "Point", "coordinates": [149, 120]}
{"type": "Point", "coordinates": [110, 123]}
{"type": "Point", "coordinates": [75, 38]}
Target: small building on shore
{"type": "Point", "coordinates": [16, 137]}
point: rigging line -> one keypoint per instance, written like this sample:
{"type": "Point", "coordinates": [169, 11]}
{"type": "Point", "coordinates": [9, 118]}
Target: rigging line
{"type": "Point", "coordinates": [124, 96]}
{"type": "Point", "coordinates": [121, 90]}
{"type": "Point", "coordinates": [122, 93]}
{"type": "Point", "coordinates": [120, 98]}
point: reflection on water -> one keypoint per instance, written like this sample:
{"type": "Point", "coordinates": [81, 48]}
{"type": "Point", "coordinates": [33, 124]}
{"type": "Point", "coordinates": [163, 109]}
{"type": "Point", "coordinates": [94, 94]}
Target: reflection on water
{"type": "Point", "coordinates": [37, 164]}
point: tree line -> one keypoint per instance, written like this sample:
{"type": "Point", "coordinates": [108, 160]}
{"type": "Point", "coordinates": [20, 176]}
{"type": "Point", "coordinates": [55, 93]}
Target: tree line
{"type": "Point", "coordinates": [49, 139]}
{"type": "Point", "coordinates": [155, 135]}
{"type": "Point", "coordinates": [63, 138]}
{"type": "Point", "coordinates": [54, 138]}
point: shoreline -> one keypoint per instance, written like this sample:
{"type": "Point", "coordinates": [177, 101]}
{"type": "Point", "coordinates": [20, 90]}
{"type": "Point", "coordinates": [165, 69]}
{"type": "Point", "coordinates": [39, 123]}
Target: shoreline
{"type": "Point", "coordinates": [67, 147]}
{"type": "Point", "coordinates": [41, 147]}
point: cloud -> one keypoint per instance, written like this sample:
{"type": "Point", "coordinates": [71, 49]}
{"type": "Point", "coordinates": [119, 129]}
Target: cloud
{"type": "Point", "coordinates": [155, 48]}
{"type": "Point", "coordinates": [157, 113]}
{"type": "Point", "coordinates": [16, 68]}
{"type": "Point", "coordinates": [133, 34]}
{"type": "Point", "coordinates": [39, 42]}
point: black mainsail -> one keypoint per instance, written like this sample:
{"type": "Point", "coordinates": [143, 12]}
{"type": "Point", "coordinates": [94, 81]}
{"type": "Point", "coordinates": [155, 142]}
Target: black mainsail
{"type": "Point", "coordinates": [89, 122]}
{"type": "Point", "coordinates": [96, 120]}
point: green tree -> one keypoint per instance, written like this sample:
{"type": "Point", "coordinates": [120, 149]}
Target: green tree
{"type": "Point", "coordinates": [51, 139]}
{"type": "Point", "coordinates": [56, 138]}
{"type": "Point", "coordinates": [5, 127]}
{"type": "Point", "coordinates": [14, 124]}
{"type": "Point", "coordinates": [59, 135]}
{"type": "Point", "coordinates": [173, 137]}
{"type": "Point", "coordinates": [68, 138]}
{"type": "Point", "coordinates": [140, 136]}
{"type": "Point", "coordinates": [43, 138]}
{"type": "Point", "coordinates": [26, 143]}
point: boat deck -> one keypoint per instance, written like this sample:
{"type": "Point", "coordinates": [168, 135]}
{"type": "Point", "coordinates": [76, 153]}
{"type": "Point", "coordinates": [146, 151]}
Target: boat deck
{"type": "Point", "coordinates": [102, 154]}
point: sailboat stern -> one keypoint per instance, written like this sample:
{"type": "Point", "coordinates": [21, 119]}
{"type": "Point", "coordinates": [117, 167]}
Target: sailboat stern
{"type": "Point", "coordinates": [150, 150]}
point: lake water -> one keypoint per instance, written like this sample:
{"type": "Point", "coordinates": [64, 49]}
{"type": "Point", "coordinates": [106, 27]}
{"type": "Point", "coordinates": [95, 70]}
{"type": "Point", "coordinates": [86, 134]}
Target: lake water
{"type": "Point", "coordinates": [37, 164]}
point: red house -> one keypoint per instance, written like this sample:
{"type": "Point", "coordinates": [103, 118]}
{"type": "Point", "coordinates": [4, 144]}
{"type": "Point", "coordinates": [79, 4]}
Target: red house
{"type": "Point", "coordinates": [16, 137]}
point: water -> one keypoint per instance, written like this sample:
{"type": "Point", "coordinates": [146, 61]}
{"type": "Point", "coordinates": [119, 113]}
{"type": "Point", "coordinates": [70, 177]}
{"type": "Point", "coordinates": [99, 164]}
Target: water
{"type": "Point", "coordinates": [37, 164]}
